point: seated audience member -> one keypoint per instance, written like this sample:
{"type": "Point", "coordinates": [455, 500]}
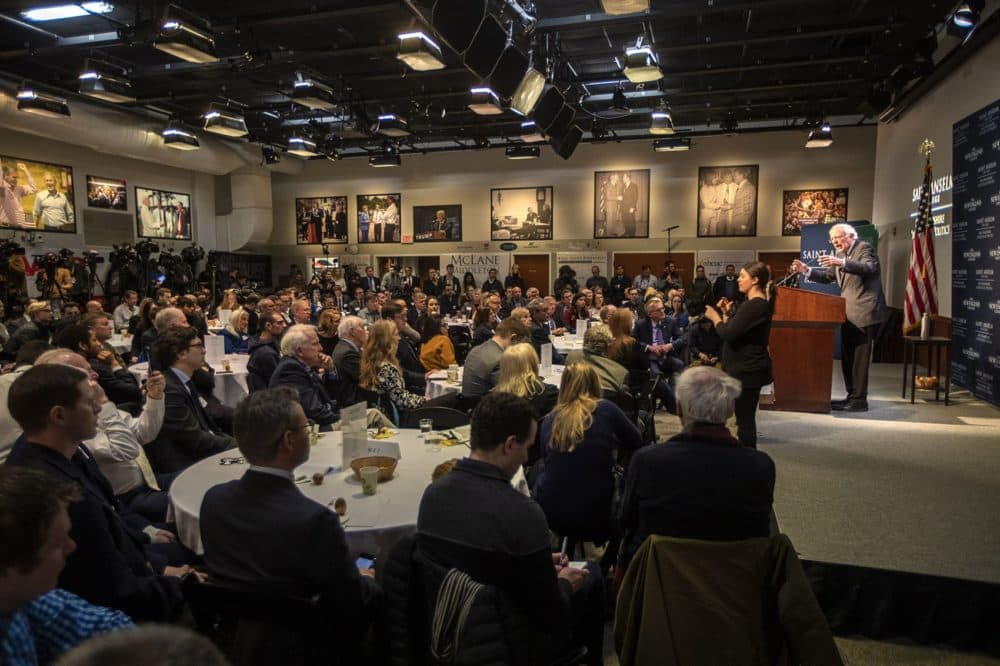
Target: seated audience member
{"type": "Point", "coordinates": [578, 310]}
{"type": "Point", "coordinates": [119, 385]}
{"type": "Point", "coordinates": [264, 352]}
{"type": "Point", "coordinates": [165, 319]}
{"type": "Point", "coordinates": [679, 314]}
{"type": "Point", "coordinates": [407, 331]}
{"type": "Point", "coordinates": [470, 302]}
{"type": "Point", "coordinates": [347, 358]}
{"type": "Point", "coordinates": [519, 375]}
{"type": "Point", "coordinates": [482, 365]}
{"type": "Point", "coordinates": [305, 368]}
{"type": "Point", "coordinates": [613, 375]}
{"type": "Point", "coordinates": [189, 432]}
{"type": "Point", "coordinates": [101, 324]}
{"type": "Point", "coordinates": [415, 315]}
{"type": "Point", "coordinates": [54, 404]}
{"type": "Point", "coordinates": [705, 343]}
{"type": "Point", "coordinates": [38, 623]}
{"type": "Point", "coordinates": [522, 314]}
{"type": "Point", "coordinates": [236, 334]}
{"type": "Point", "coordinates": [68, 316]}
{"type": "Point", "coordinates": [117, 446]}
{"type": "Point", "coordinates": [326, 328]}
{"type": "Point", "coordinates": [38, 327]}
{"type": "Point", "coordinates": [554, 327]}
{"type": "Point", "coordinates": [436, 351]}
{"type": "Point", "coordinates": [142, 323]}
{"type": "Point", "coordinates": [9, 430]}
{"type": "Point", "coordinates": [491, 285]}
{"type": "Point", "coordinates": [414, 372]}
{"type": "Point", "coordinates": [260, 531]}
{"type": "Point", "coordinates": [541, 332]}
{"type": "Point", "coordinates": [188, 304]}
{"type": "Point", "coordinates": [473, 520]}
{"type": "Point", "coordinates": [128, 308]}
{"type": "Point", "coordinates": [149, 645]}
{"type": "Point", "coordinates": [580, 438]}
{"type": "Point", "coordinates": [627, 351]}
{"type": "Point", "coordinates": [659, 338]}
{"type": "Point", "coordinates": [448, 301]}
{"type": "Point", "coordinates": [482, 326]}
{"type": "Point", "coordinates": [605, 313]}
{"type": "Point", "coordinates": [372, 312]}
{"type": "Point", "coordinates": [380, 371]}
{"type": "Point", "coordinates": [701, 483]}
{"type": "Point", "coordinates": [301, 312]}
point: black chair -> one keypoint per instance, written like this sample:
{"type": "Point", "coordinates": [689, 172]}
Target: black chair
{"type": "Point", "coordinates": [461, 338]}
{"type": "Point", "coordinates": [443, 418]}
{"type": "Point", "coordinates": [380, 402]}
{"type": "Point", "coordinates": [254, 628]}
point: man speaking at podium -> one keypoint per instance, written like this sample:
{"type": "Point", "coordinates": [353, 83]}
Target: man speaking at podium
{"type": "Point", "coordinates": [855, 267]}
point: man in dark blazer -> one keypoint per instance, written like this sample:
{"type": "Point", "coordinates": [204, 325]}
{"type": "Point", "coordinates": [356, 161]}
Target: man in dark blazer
{"type": "Point", "coordinates": [260, 531]}
{"type": "Point", "coordinates": [347, 358]}
{"type": "Point", "coordinates": [414, 373]}
{"type": "Point", "coordinates": [701, 483]}
{"type": "Point", "coordinates": [371, 282]}
{"type": "Point", "coordinates": [189, 433]}
{"type": "Point", "coordinates": [111, 566]}
{"type": "Point", "coordinates": [660, 339]}
{"type": "Point", "coordinates": [305, 368]}
{"type": "Point", "coordinates": [264, 352]}
{"type": "Point", "coordinates": [855, 267]}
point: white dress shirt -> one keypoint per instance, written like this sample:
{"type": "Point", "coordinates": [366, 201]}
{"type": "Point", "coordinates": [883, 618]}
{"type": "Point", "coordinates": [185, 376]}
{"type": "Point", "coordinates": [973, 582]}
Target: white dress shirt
{"type": "Point", "coordinates": [119, 441]}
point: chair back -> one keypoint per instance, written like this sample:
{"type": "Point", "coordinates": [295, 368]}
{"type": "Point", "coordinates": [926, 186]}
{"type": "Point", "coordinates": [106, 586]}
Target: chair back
{"type": "Point", "coordinates": [461, 339]}
{"type": "Point", "coordinates": [442, 417]}
{"type": "Point", "coordinates": [381, 402]}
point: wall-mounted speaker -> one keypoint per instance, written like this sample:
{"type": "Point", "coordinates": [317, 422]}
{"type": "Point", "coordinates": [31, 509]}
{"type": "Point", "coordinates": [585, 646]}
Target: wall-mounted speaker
{"type": "Point", "coordinates": [549, 105]}
{"type": "Point", "coordinates": [458, 21]}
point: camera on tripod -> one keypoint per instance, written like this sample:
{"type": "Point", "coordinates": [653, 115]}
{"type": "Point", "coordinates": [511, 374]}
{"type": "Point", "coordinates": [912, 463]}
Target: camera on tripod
{"type": "Point", "coordinates": [92, 257]}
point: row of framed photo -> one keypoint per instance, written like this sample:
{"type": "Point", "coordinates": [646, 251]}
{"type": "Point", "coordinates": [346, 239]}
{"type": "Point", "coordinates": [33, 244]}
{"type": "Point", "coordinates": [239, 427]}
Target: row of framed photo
{"type": "Point", "coordinates": [727, 206]}
{"type": "Point", "coordinates": [39, 196]}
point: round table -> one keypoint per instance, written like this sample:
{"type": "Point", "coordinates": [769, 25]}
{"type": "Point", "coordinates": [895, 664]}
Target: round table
{"type": "Point", "coordinates": [121, 344]}
{"type": "Point", "coordinates": [564, 344]}
{"type": "Point", "coordinates": [230, 387]}
{"type": "Point", "coordinates": [438, 384]}
{"type": "Point", "coordinates": [374, 522]}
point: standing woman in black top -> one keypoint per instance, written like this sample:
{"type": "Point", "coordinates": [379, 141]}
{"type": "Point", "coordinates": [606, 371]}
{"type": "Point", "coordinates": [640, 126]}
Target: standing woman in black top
{"type": "Point", "coordinates": [744, 330]}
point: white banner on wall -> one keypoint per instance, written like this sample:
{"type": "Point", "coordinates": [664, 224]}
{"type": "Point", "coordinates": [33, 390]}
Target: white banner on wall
{"type": "Point", "coordinates": [715, 261]}
{"type": "Point", "coordinates": [581, 263]}
{"type": "Point", "coordinates": [477, 263]}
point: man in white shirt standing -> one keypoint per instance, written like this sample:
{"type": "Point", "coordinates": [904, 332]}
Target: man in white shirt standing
{"type": "Point", "coordinates": [52, 209]}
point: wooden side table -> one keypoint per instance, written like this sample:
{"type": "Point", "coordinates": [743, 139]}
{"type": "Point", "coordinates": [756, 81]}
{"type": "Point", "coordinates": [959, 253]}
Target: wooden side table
{"type": "Point", "coordinates": [934, 346]}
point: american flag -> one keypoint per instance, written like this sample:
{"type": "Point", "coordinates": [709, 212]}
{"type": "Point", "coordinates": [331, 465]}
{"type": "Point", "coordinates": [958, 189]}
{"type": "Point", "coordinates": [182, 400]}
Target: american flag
{"type": "Point", "coordinates": [921, 279]}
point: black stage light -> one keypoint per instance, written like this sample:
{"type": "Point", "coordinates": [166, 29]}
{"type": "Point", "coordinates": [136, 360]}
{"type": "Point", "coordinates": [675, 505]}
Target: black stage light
{"type": "Point", "coordinates": [102, 81]}
{"type": "Point", "coordinates": [619, 102]}
{"type": "Point", "coordinates": [41, 104]}
{"type": "Point", "coordinates": [486, 48]}
{"type": "Point", "coordinates": [185, 41]}
{"type": "Point", "coordinates": [820, 137]}
{"type": "Point", "coordinates": [313, 94]}
{"type": "Point", "coordinates": [671, 145]}
{"type": "Point", "coordinates": [178, 138]}
{"type": "Point", "coordinates": [523, 152]}
{"type": "Point", "coordinates": [567, 143]}
{"type": "Point", "coordinates": [548, 108]}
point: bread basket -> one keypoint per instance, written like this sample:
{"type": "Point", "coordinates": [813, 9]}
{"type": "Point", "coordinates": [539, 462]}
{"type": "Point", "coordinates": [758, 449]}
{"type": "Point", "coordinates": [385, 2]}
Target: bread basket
{"type": "Point", "coordinates": [386, 466]}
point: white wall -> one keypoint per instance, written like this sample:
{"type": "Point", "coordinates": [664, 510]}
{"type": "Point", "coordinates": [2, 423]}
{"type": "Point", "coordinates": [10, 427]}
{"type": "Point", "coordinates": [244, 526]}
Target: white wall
{"type": "Point", "coordinates": [899, 167]}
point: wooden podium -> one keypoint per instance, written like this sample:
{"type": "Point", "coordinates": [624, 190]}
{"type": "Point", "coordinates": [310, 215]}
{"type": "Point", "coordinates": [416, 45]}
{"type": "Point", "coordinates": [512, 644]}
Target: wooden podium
{"type": "Point", "coordinates": [801, 344]}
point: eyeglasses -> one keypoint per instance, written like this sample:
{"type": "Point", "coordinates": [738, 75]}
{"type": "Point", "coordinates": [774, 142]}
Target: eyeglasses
{"type": "Point", "coordinates": [834, 239]}
{"type": "Point", "coordinates": [196, 345]}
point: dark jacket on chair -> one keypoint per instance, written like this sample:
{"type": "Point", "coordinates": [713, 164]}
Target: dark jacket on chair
{"type": "Point", "coordinates": [414, 373]}
{"type": "Point", "coordinates": [315, 392]}
{"type": "Point", "coordinates": [189, 433]}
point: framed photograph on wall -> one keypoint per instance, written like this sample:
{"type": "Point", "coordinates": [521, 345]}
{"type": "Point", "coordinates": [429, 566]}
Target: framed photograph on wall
{"type": "Point", "coordinates": [110, 193]}
{"type": "Point", "coordinates": [320, 220]}
{"type": "Point", "coordinates": [621, 204]}
{"type": "Point", "coordinates": [378, 218]}
{"type": "Point", "coordinates": [803, 207]}
{"type": "Point", "coordinates": [163, 214]}
{"type": "Point", "coordinates": [432, 224]}
{"type": "Point", "coordinates": [37, 196]}
{"type": "Point", "coordinates": [521, 213]}
{"type": "Point", "coordinates": [727, 200]}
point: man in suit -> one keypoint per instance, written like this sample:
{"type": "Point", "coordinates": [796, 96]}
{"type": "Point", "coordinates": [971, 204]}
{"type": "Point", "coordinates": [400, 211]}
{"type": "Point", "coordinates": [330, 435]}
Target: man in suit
{"type": "Point", "coordinates": [630, 204]}
{"type": "Point", "coordinates": [595, 354]}
{"type": "Point", "coordinates": [118, 384]}
{"type": "Point", "coordinates": [482, 365]}
{"type": "Point", "coordinates": [370, 282]}
{"type": "Point", "coordinates": [261, 532]}
{"type": "Point", "coordinates": [541, 331]}
{"type": "Point", "coordinates": [725, 286]}
{"type": "Point", "coordinates": [347, 357]}
{"type": "Point", "coordinates": [657, 334]}
{"type": "Point", "coordinates": [448, 300]}
{"type": "Point", "coordinates": [855, 267]}
{"type": "Point", "coordinates": [431, 283]}
{"type": "Point", "coordinates": [112, 565]}
{"type": "Point", "coordinates": [701, 483]}
{"type": "Point", "coordinates": [305, 368]}
{"type": "Point", "coordinates": [744, 212]}
{"type": "Point", "coordinates": [264, 352]}
{"type": "Point", "coordinates": [414, 373]}
{"type": "Point", "coordinates": [189, 433]}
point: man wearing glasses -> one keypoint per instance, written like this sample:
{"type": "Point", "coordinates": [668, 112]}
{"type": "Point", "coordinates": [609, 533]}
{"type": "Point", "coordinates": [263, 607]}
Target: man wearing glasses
{"type": "Point", "coordinates": [855, 267]}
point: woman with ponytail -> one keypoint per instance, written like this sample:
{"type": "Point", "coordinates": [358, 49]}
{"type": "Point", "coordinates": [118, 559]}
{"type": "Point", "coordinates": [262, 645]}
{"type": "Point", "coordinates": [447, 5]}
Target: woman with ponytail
{"type": "Point", "coordinates": [744, 330]}
{"type": "Point", "coordinates": [579, 441]}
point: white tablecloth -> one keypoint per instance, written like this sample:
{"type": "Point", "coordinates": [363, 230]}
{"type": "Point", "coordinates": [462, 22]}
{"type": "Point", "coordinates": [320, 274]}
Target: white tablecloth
{"type": "Point", "coordinates": [564, 344]}
{"type": "Point", "coordinates": [438, 384]}
{"type": "Point", "coordinates": [374, 522]}
{"type": "Point", "coordinates": [121, 344]}
{"type": "Point", "coordinates": [230, 387]}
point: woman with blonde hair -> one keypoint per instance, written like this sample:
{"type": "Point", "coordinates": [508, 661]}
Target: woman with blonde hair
{"type": "Point", "coordinates": [625, 349]}
{"type": "Point", "coordinates": [522, 314]}
{"type": "Point", "coordinates": [228, 301]}
{"type": "Point", "coordinates": [380, 371]}
{"type": "Point", "coordinates": [236, 334]}
{"type": "Point", "coordinates": [519, 375]}
{"type": "Point", "coordinates": [580, 439]}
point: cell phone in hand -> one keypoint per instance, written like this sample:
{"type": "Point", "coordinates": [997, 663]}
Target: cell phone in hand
{"type": "Point", "coordinates": [365, 561]}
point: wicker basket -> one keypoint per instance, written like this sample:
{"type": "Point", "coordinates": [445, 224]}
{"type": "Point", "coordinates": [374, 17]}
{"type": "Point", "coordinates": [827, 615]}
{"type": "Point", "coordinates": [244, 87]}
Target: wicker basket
{"type": "Point", "coordinates": [386, 466]}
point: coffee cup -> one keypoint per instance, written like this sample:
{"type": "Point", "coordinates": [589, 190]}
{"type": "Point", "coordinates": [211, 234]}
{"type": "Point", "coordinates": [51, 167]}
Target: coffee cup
{"type": "Point", "coordinates": [369, 480]}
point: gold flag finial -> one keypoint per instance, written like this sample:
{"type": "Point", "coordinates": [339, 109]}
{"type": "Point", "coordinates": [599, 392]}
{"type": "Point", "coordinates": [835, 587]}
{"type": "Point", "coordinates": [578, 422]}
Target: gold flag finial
{"type": "Point", "coordinates": [926, 148]}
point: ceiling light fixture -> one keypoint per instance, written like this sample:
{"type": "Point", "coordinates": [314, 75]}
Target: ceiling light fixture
{"type": "Point", "coordinates": [384, 159]}
{"type": "Point", "coordinates": [103, 81]}
{"type": "Point", "coordinates": [484, 102]}
{"type": "Point", "coordinates": [58, 12]}
{"type": "Point", "coordinates": [178, 138]}
{"type": "Point", "coordinates": [530, 133]}
{"type": "Point", "coordinates": [225, 121]}
{"type": "Point", "coordinates": [820, 137]}
{"type": "Point", "coordinates": [41, 104]}
{"type": "Point", "coordinates": [641, 65]}
{"type": "Point", "coordinates": [660, 121]}
{"type": "Point", "coordinates": [313, 94]}
{"type": "Point", "coordinates": [617, 7]}
{"type": "Point", "coordinates": [523, 152]}
{"type": "Point", "coordinates": [184, 41]}
{"type": "Point", "coordinates": [301, 146]}
{"type": "Point", "coordinates": [419, 52]}
{"type": "Point", "coordinates": [671, 145]}
{"type": "Point", "coordinates": [730, 125]}
{"type": "Point", "coordinates": [619, 102]}
{"type": "Point", "coordinates": [525, 97]}
{"type": "Point", "coordinates": [270, 155]}
{"type": "Point", "coordinates": [390, 124]}
{"type": "Point", "coordinates": [966, 15]}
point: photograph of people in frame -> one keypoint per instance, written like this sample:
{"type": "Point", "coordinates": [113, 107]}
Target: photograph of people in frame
{"type": "Point", "coordinates": [818, 206]}
{"type": "Point", "coordinates": [163, 214]}
{"type": "Point", "coordinates": [727, 200]}
{"type": "Point", "coordinates": [111, 193]}
{"type": "Point", "coordinates": [442, 222]}
{"type": "Point", "coordinates": [320, 220]}
{"type": "Point", "coordinates": [521, 213]}
{"type": "Point", "coordinates": [36, 196]}
{"type": "Point", "coordinates": [621, 204]}
{"type": "Point", "coordinates": [378, 218]}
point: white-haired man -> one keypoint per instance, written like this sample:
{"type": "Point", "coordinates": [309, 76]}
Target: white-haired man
{"type": "Point", "coordinates": [855, 267]}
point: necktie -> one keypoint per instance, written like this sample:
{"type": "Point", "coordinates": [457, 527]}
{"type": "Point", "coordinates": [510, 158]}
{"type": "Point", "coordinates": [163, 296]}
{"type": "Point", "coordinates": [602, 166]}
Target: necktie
{"type": "Point", "coordinates": [657, 335]}
{"type": "Point", "coordinates": [147, 470]}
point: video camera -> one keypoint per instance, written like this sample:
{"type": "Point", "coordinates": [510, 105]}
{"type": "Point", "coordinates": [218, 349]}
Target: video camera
{"type": "Point", "coordinates": [8, 249]}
